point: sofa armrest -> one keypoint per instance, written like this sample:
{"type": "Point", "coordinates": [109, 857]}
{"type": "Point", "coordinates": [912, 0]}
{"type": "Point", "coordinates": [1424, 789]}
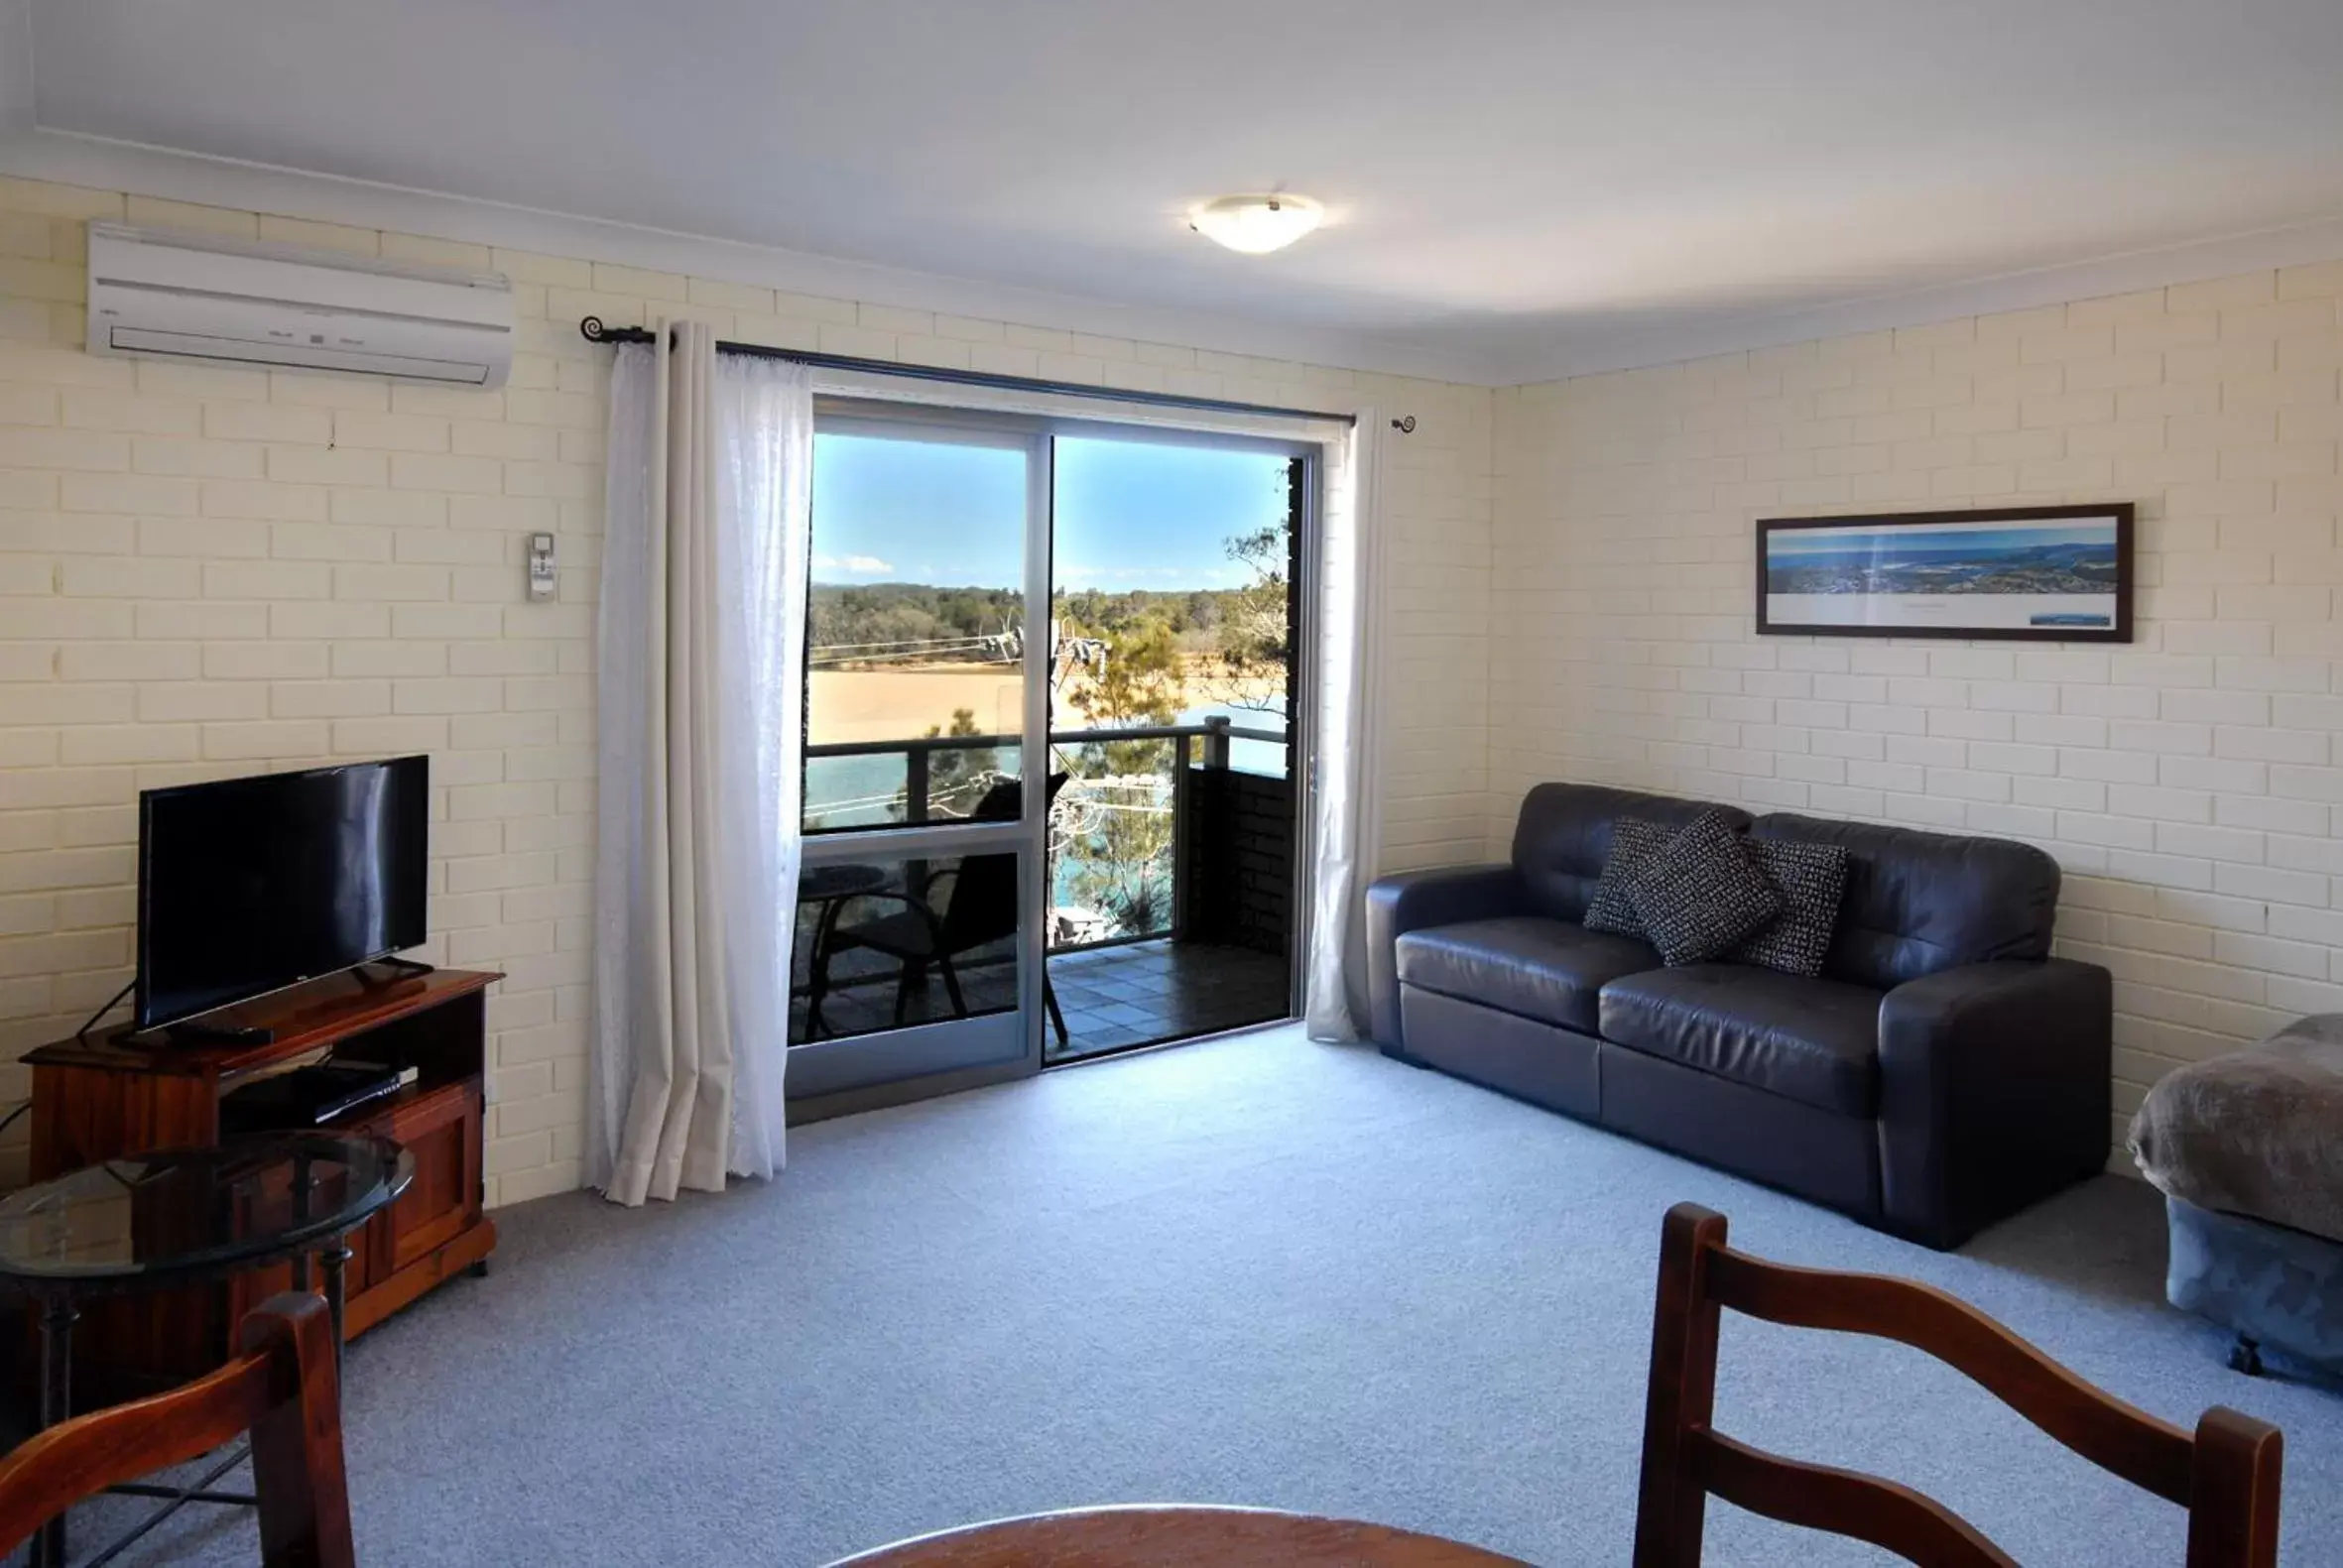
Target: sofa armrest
{"type": "Point", "coordinates": [1413, 899]}
{"type": "Point", "coordinates": [1994, 1092]}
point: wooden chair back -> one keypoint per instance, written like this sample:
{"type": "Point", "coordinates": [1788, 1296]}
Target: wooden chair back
{"type": "Point", "coordinates": [282, 1387]}
{"type": "Point", "coordinates": [2226, 1474]}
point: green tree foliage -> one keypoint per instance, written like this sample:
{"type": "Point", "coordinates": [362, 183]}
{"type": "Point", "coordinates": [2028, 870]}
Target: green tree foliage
{"type": "Point", "coordinates": [886, 622]}
{"type": "Point", "coordinates": [1116, 825]}
{"type": "Point", "coordinates": [1252, 631]}
{"type": "Point", "coordinates": [957, 775]}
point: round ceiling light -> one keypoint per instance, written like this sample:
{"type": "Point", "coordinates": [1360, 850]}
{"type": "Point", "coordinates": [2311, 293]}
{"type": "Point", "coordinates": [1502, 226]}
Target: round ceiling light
{"type": "Point", "coordinates": [1257, 225]}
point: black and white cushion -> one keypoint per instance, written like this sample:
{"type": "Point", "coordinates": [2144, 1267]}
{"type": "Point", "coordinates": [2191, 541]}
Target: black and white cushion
{"type": "Point", "coordinates": [1632, 841]}
{"type": "Point", "coordinates": [1812, 879]}
{"type": "Point", "coordinates": [1701, 894]}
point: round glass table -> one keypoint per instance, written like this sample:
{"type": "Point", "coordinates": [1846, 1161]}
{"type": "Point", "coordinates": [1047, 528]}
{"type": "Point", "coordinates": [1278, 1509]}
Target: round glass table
{"type": "Point", "coordinates": [174, 1216]}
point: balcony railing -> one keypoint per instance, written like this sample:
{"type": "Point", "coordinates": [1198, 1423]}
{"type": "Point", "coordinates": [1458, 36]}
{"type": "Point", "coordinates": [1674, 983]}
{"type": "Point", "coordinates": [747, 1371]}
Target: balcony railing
{"type": "Point", "coordinates": [1212, 894]}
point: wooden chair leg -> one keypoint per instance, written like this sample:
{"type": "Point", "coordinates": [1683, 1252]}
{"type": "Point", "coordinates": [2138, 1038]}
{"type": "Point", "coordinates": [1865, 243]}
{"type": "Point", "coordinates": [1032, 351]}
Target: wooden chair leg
{"type": "Point", "coordinates": [2234, 1492]}
{"type": "Point", "coordinates": [297, 1453]}
{"type": "Point", "coordinates": [1672, 1504]}
{"type": "Point", "coordinates": [903, 990]}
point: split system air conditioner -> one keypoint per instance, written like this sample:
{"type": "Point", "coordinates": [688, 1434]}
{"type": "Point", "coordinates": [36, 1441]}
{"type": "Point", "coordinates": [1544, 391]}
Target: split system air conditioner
{"type": "Point", "coordinates": [193, 297]}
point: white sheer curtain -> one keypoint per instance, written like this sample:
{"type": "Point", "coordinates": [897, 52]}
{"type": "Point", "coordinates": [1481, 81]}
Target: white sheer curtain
{"type": "Point", "coordinates": [1345, 805]}
{"type": "Point", "coordinates": [701, 647]}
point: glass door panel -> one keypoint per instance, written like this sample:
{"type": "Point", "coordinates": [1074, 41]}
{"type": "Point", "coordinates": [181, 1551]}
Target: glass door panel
{"type": "Point", "coordinates": [907, 965]}
{"type": "Point", "coordinates": [1172, 689]}
{"type": "Point", "coordinates": [917, 951]}
{"type": "Point", "coordinates": [915, 699]}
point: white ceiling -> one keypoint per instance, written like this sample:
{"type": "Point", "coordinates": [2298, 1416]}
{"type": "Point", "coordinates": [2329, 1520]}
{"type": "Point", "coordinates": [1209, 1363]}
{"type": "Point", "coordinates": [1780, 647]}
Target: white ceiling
{"type": "Point", "coordinates": [1515, 186]}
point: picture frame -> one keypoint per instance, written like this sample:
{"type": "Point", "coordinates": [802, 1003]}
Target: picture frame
{"type": "Point", "coordinates": [2036, 574]}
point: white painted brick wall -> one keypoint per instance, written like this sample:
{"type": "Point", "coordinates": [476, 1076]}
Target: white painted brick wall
{"type": "Point", "coordinates": [2189, 783]}
{"type": "Point", "coordinates": [212, 571]}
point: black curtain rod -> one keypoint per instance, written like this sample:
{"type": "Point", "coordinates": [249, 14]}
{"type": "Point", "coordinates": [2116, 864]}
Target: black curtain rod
{"type": "Point", "coordinates": [592, 330]}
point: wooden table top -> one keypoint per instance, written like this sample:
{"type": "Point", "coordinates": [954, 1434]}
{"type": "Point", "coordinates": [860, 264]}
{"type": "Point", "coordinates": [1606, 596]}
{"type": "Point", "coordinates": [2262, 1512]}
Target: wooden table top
{"type": "Point", "coordinates": [1179, 1537]}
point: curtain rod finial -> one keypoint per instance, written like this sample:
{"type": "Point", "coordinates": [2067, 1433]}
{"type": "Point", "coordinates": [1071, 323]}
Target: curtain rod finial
{"type": "Point", "coordinates": [593, 332]}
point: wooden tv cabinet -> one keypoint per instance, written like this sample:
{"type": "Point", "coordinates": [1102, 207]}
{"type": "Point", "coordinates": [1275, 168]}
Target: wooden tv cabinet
{"type": "Point", "coordinates": [108, 1096]}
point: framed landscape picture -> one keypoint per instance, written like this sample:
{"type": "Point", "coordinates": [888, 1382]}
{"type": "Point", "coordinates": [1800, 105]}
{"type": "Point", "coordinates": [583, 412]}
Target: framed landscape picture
{"type": "Point", "coordinates": [2035, 573]}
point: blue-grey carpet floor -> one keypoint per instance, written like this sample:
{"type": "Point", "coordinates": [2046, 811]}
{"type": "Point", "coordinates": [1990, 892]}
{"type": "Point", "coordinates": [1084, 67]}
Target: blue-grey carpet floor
{"type": "Point", "coordinates": [1249, 1270]}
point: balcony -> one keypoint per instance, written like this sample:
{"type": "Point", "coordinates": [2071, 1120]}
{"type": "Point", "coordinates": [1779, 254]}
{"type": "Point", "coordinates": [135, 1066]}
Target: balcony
{"type": "Point", "coordinates": [1170, 878]}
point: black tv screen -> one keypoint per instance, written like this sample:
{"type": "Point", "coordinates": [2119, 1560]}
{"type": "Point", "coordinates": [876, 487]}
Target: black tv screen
{"type": "Point", "coordinates": [250, 885]}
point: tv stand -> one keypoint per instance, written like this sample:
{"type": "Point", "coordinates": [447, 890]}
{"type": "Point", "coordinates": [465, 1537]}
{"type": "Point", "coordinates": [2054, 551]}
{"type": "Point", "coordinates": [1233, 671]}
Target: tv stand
{"type": "Point", "coordinates": [108, 1097]}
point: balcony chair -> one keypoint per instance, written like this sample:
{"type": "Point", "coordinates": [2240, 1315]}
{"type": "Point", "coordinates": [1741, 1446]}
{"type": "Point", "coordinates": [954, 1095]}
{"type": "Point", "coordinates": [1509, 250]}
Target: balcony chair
{"type": "Point", "coordinates": [979, 909]}
{"type": "Point", "coordinates": [2226, 1474]}
{"type": "Point", "coordinates": [283, 1386]}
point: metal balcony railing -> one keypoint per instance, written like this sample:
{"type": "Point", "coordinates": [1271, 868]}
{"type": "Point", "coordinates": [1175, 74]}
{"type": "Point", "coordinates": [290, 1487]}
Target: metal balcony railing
{"type": "Point", "coordinates": [1202, 746]}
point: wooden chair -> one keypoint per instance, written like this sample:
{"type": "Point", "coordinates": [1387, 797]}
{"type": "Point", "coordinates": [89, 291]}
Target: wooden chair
{"type": "Point", "coordinates": [282, 1387]}
{"type": "Point", "coordinates": [2226, 1476]}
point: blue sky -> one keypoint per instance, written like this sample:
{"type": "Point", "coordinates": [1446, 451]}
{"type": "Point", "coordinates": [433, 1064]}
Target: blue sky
{"type": "Point", "coordinates": [1128, 514]}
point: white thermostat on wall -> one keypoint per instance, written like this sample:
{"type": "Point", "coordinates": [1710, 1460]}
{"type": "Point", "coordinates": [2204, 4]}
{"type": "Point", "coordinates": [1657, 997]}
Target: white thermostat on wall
{"type": "Point", "coordinates": [541, 580]}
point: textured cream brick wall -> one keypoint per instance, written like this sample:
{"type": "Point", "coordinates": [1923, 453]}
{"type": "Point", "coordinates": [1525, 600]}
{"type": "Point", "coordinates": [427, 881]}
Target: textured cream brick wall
{"type": "Point", "coordinates": [2190, 783]}
{"type": "Point", "coordinates": [210, 572]}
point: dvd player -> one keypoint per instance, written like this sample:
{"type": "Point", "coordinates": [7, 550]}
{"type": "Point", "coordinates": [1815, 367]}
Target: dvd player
{"type": "Point", "coordinates": [309, 1096]}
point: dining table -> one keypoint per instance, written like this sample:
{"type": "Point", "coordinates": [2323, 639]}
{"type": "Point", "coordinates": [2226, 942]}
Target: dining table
{"type": "Point", "coordinates": [1179, 1536]}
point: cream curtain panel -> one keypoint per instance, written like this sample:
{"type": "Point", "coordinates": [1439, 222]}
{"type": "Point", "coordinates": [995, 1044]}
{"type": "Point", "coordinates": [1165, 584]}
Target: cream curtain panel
{"type": "Point", "coordinates": [701, 647]}
{"type": "Point", "coordinates": [1346, 798]}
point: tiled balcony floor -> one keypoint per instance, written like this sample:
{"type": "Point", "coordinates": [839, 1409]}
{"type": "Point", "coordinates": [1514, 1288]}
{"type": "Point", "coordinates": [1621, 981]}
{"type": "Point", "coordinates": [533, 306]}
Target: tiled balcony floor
{"type": "Point", "coordinates": [1140, 994]}
{"type": "Point", "coordinates": [1162, 989]}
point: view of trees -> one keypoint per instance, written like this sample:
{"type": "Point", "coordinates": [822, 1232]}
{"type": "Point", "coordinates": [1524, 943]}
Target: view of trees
{"type": "Point", "coordinates": [888, 622]}
{"type": "Point", "coordinates": [1242, 631]}
{"type": "Point", "coordinates": [1115, 830]}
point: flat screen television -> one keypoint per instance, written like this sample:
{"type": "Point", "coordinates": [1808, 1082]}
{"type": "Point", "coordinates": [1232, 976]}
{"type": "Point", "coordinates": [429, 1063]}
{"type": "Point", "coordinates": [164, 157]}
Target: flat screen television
{"type": "Point", "coordinates": [247, 885]}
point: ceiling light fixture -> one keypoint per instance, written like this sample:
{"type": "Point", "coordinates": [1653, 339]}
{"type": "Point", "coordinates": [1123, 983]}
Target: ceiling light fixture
{"type": "Point", "coordinates": [1257, 225]}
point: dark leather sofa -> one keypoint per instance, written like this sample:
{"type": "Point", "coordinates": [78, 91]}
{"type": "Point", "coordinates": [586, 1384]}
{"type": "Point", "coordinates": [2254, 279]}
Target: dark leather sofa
{"type": "Point", "coordinates": [1942, 1073]}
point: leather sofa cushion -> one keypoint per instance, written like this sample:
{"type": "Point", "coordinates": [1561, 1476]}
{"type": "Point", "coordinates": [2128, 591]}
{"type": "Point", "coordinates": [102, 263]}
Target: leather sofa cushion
{"type": "Point", "coordinates": [1917, 903]}
{"type": "Point", "coordinates": [1815, 1042]}
{"type": "Point", "coordinates": [1563, 836]}
{"type": "Point", "coordinates": [1549, 970]}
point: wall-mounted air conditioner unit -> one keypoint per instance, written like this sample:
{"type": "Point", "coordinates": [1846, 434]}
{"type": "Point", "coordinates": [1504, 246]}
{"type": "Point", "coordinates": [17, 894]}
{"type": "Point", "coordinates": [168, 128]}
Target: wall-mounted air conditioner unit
{"type": "Point", "coordinates": [229, 301]}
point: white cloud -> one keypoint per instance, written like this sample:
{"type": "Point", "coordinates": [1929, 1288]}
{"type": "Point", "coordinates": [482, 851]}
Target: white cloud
{"type": "Point", "coordinates": [863, 565]}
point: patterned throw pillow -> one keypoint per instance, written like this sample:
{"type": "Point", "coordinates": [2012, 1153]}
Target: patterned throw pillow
{"type": "Point", "coordinates": [1812, 879]}
{"type": "Point", "coordinates": [1632, 841]}
{"type": "Point", "coordinates": [1701, 894]}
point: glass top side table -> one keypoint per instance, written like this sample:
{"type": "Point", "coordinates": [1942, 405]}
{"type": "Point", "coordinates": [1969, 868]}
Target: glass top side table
{"type": "Point", "coordinates": [143, 1221]}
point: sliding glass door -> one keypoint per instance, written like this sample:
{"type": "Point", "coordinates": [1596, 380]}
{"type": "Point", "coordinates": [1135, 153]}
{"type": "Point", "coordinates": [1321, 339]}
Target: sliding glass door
{"type": "Point", "coordinates": [1173, 850]}
{"type": "Point", "coordinates": [1052, 742]}
{"type": "Point", "coordinates": [918, 951]}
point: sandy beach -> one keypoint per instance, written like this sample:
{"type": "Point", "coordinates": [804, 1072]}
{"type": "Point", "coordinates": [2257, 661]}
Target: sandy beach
{"type": "Point", "coordinates": [899, 703]}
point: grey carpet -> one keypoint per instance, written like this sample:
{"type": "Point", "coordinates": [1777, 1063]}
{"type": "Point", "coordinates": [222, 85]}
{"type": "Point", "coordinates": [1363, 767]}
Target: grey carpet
{"type": "Point", "coordinates": [1249, 1270]}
